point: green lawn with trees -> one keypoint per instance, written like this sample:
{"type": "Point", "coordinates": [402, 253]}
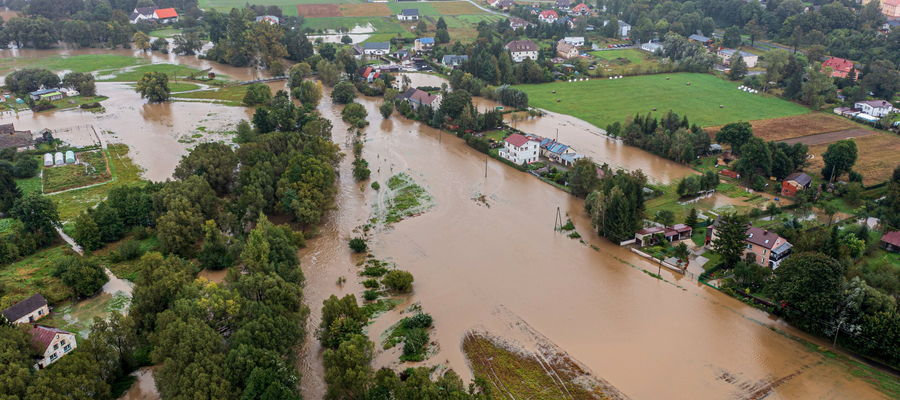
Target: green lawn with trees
{"type": "Point", "coordinates": [605, 101]}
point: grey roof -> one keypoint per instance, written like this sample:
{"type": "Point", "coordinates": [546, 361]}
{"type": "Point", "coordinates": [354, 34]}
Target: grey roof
{"type": "Point", "coordinates": [699, 38]}
{"type": "Point", "coordinates": [14, 139]}
{"type": "Point", "coordinates": [782, 248]}
{"type": "Point", "coordinates": [24, 307]}
{"type": "Point", "coordinates": [730, 52]}
{"type": "Point", "coordinates": [7, 129]}
{"type": "Point", "coordinates": [876, 103]}
{"type": "Point", "coordinates": [521, 45]}
{"type": "Point", "coordinates": [145, 10]}
{"type": "Point", "coordinates": [43, 91]}
{"type": "Point", "coordinates": [454, 59]}
{"type": "Point", "coordinates": [410, 11]}
{"type": "Point", "coordinates": [377, 45]}
{"type": "Point", "coordinates": [799, 177]}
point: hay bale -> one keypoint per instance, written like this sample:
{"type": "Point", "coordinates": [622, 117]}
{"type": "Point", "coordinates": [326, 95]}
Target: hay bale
{"type": "Point", "coordinates": [721, 106]}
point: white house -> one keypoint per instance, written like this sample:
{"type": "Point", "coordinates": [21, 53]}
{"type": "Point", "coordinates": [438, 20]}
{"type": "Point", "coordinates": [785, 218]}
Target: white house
{"type": "Point", "coordinates": [749, 58]}
{"type": "Point", "coordinates": [166, 15]}
{"type": "Point", "coordinates": [624, 27]}
{"type": "Point", "coordinates": [651, 47]}
{"type": "Point", "coordinates": [518, 23]}
{"type": "Point", "coordinates": [143, 14]}
{"type": "Point", "coordinates": [51, 343]}
{"type": "Point", "coordinates": [519, 50]}
{"type": "Point", "coordinates": [875, 108]}
{"type": "Point", "coordinates": [519, 149]}
{"type": "Point", "coordinates": [576, 41]}
{"type": "Point", "coordinates": [372, 48]}
{"type": "Point", "coordinates": [32, 308]}
{"type": "Point", "coordinates": [409, 14]}
{"type": "Point", "coordinates": [548, 16]}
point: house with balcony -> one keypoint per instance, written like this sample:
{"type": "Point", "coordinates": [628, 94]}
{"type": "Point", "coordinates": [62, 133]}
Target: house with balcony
{"type": "Point", "coordinates": [519, 149]}
{"type": "Point", "coordinates": [875, 108]}
{"type": "Point", "coordinates": [768, 248]}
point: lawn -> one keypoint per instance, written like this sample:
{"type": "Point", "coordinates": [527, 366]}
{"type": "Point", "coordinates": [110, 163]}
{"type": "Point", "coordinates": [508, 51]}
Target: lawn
{"type": "Point", "coordinates": [182, 86]}
{"type": "Point", "coordinates": [90, 169]}
{"type": "Point", "coordinates": [633, 56]}
{"type": "Point", "coordinates": [232, 95]}
{"type": "Point", "coordinates": [79, 63]}
{"type": "Point", "coordinates": [165, 32]}
{"type": "Point", "coordinates": [699, 96]}
{"type": "Point", "coordinates": [77, 101]}
{"type": "Point", "coordinates": [29, 185]}
{"type": "Point", "coordinates": [135, 74]}
{"type": "Point", "coordinates": [78, 317]}
{"type": "Point", "coordinates": [33, 274]}
{"type": "Point", "coordinates": [124, 173]}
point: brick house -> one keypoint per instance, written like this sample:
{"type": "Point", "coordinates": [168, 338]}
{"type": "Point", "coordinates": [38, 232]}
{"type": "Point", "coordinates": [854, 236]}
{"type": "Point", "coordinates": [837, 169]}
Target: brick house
{"type": "Point", "coordinates": [891, 241]}
{"type": "Point", "coordinates": [794, 183]}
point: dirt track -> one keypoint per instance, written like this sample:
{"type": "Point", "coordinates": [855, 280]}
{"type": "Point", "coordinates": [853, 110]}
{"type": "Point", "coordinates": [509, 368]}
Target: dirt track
{"type": "Point", "coordinates": [829, 137]}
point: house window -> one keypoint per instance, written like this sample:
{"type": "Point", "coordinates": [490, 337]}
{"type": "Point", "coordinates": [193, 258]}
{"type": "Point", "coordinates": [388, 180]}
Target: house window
{"type": "Point", "coordinates": [53, 357]}
{"type": "Point", "coordinates": [67, 348]}
{"type": "Point", "coordinates": [62, 341]}
{"type": "Point", "coordinates": [749, 246]}
{"type": "Point", "coordinates": [56, 346]}
{"type": "Point", "coordinates": [40, 312]}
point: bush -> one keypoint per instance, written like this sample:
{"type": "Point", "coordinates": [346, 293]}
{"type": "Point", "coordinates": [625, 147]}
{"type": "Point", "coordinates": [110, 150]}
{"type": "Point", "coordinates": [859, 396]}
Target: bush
{"type": "Point", "coordinates": [376, 185]}
{"type": "Point", "coordinates": [421, 321]}
{"type": "Point", "coordinates": [358, 245]}
{"type": "Point", "coordinates": [128, 251]}
{"type": "Point", "coordinates": [370, 295]}
{"type": "Point", "coordinates": [398, 281]}
{"type": "Point", "coordinates": [84, 276]}
{"type": "Point", "coordinates": [414, 344]}
{"type": "Point", "coordinates": [370, 283]}
{"type": "Point", "coordinates": [258, 94]}
{"type": "Point", "coordinates": [374, 271]}
{"type": "Point", "coordinates": [343, 93]}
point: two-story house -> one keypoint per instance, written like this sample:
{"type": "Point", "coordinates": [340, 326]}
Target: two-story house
{"type": "Point", "coordinates": [423, 44]}
{"type": "Point", "coordinates": [27, 311]}
{"type": "Point", "coordinates": [519, 50]}
{"type": "Point", "coordinates": [768, 248]}
{"type": "Point", "coordinates": [51, 343]}
{"type": "Point", "coordinates": [548, 16]}
{"type": "Point", "coordinates": [519, 149]}
{"type": "Point", "coordinates": [372, 49]}
{"type": "Point", "coordinates": [875, 108]}
{"type": "Point", "coordinates": [566, 50]}
{"type": "Point", "coordinates": [408, 14]}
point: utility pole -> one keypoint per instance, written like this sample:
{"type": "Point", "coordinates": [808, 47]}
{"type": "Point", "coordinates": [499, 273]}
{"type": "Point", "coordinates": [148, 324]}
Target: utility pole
{"type": "Point", "coordinates": [485, 166]}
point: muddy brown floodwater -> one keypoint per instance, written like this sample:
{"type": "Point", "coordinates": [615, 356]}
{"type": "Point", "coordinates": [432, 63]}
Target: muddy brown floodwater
{"type": "Point", "coordinates": [501, 267]}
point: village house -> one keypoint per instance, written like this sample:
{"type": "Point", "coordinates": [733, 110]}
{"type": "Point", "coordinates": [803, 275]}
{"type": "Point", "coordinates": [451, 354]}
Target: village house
{"type": "Point", "coordinates": [519, 149]}
{"type": "Point", "coordinates": [652, 235]}
{"type": "Point", "coordinates": [795, 183]}
{"type": "Point", "coordinates": [51, 343]}
{"type": "Point", "coordinates": [576, 41]}
{"type": "Point", "coordinates": [453, 61]}
{"type": "Point", "coordinates": [563, 4]}
{"type": "Point", "coordinates": [369, 73]}
{"type": "Point", "coordinates": [890, 8]}
{"type": "Point", "coordinates": [553, 150]}
{"type": "Point", "coordinates": [891, 241]}
{"type": "Point", "coordinates": [750, 59]}
{"type": "Point", "coordinates": [166, 15]}
{"type": "Point", "coordinates": [566, 50]}
{"type": "Point", "coordinates": [581, 9]}
{"type": "Point", "coordinates": [10, 138]}
{"type": "Point", "coordinates": [840, 67]}
{"type": "Point", "coordinates": [624, 28]}
{"type": "Point", "coordinates": [548, 16]}
{"type": "Point", "coordinates": [372, 49]}
{"type": "Point", "coordinates": [142, 14]}
{"type": "Point", "coordinates": [768, 249]}
{"type": "Point", "coordinates": [27, 311]}
{"type": "Point", "coordinates": [417, 98]}
{"type": "Point", "coordinates": [408, 14]}
{"type": "Point", "coordinates": [423, 44]}
{"type": "Point", "coordinates": [502, 4]}
{"type": "Point", "coordinates": [519, 50]}
{"type": "Point", "coordinates": [269, 19]}
{"type": "Point", "coordinates": [50, 94]}
{"type": "Point", "coordinates": [651, 47]}
{"type": "Point", "coordinates": [875, 108]}
{"type": "Point", "coordinates": [700, 39]}
{"type": "Point", "coordinates": [518, 23]}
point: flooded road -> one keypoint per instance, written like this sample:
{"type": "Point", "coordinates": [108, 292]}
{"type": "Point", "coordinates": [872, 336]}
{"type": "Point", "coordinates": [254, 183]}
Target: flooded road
{"type": "Point", "coordinates": [501, 267]}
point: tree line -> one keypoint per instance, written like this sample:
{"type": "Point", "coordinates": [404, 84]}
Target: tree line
{"type": "Point", "coordinates": [670, 136]}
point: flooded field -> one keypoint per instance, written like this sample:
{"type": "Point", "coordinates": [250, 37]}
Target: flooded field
{"type": "Point", "coordinates": [496, 265]}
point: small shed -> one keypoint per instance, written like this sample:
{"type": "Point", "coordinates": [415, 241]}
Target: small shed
{"type": "Point", "coordinates": [48, 159]}
{"type": "Point", "coordinates": [70, 157]}
{"type": "Point", "coordinates": [58, 158]}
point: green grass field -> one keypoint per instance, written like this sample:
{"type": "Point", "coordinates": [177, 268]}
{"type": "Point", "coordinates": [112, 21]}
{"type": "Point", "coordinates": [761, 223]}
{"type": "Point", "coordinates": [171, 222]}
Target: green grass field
{"type": "Point", "coordinates": [29, 185]}
{"type": "Point", "coordinates": [79, 63]}
{"type": "Point", "coordinates": [33, 274]}
{"type": "Point", "coordinates": [603, 101]}
{"type": "Point", "coordinates": [135, 74]}
{"type": "Point", "coordinates": [632, 55]}
{"type": "Point", "coordinates": [165, 33]}
{"type": "Point", "coordinates": [232, 95]}
{"type": "Point", "coordinates": [289, 7]}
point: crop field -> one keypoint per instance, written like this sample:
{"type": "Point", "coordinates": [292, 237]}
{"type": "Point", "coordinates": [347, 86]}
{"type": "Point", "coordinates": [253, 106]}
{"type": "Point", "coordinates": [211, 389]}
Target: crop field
{"type": "Point", "coordinates": [364, 10]}
{"type": "Point", "coordinates": [319, 10]}
{"type": "Point", "coordinates": [877, 156]}
{"type": "Point", "coordinates": [704, 98]}
{"type": "Point", "coordinates": [91, 169]}
{"type": "Point", "coordinates": [124, 172]}
{"type": "Point", "coordinates": [633, 56]}
{"type": "Point", "coordinates": [777, 129]}
{"type": "Point", "coordinates": [34, 274]}
{"type": "Point", "coordinates": [136, 73]}
{"type": "Point", "coordinates": [460, 16]}
{"type": "Point", "coordinates": [289, 7]}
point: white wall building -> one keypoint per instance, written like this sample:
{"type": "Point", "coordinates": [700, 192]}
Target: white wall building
{"type": "Point", "coordinates": [519, 50]}
{"type": "Point", "coordinates": [875, 108]}
{"type": "Point", "coordinates": [519, 149]}
{"type": "Point", "coordinates": [576, 41]}
{"type": "Point", "coordinates": [51, 343]}
{"type": "Point", "coordinates": [32, 308]}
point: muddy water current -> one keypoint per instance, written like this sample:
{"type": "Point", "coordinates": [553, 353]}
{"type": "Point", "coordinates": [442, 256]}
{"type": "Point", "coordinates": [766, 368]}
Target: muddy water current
{"type": "Point", "coordinates": [496, 265]}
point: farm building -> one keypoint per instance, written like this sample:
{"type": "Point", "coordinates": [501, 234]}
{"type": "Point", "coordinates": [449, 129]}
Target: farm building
{"type": "Point", "coordinates": [553, 150]}
{"type": "Point", "coordinates": [749, 58]}
{"type": "Point", "coordinates": [47, 94]}
{"type": "Point", "coordinates": [522, 49]}
{"type": "Point", "coordinates": [372, 48]}
{"type": "Point", "coordinates": [576, 41]}
{"type": "Point", "coordinates": [59, 158]}
{"type": "Point", "coordinates": [794, 183]}
{"type": "Point", "coordinates": [700, 38]}
{"type": "Point", "coordinates": [875, 108]}
{"type": "Point", "coordinates": [70, 157]}
{"type": "Point", "coordinates": [891, 241]}
{"type": "Point", "coordinates": [51, 343]}
{"type": "Point", "coordinates": [569, 159]}
{"type": "Point", "coordinates": [651, 47]}
{"type": "Point", "coordinates": [519, 149]}
{"type": "Point", "coordinates": [10, 138]}
{"type": "Point", "coordinates": [408, 14]}
{"type": "Point", "coordinates": [27, 311]}
{"type": "Point", "coordinates": [166, 15]}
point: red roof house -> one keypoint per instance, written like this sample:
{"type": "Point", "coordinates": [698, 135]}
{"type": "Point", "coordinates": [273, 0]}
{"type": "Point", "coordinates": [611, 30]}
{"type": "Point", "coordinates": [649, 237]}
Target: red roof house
{"type": "Point", "coordinates": [166, 14]}
{"type": "Point", "coordinates": [548, 16]}
{"type": "Point", "coordinates": [581, 9]}
{"type": "Point", "coordinates": [729, 173]}
{"type": "Point", "coordinates": [840, 67]}
{"type": "Point", "coordinates": [891, 241]}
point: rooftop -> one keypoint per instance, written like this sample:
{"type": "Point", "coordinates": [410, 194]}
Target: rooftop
{"type": "Point", "coordinates": [876, 103]}
{"type": "Point", "coordinates": [516, 140]}
{"type": "Point", "coordinates": [166, 13]}
{"type": "Point", "coordinates": [800, 178]}
{"type": "Point", "coordinates": [892, 238]}
{"type": "Point", "coordinates": [426, 40]}
{"type": "Point", "coordinates": [521, 45]}
{"type": "Point", "coordinates": [409, 12]}
{"type": "Point", "coordinates": [42, 336]}
{"type": "Point", "coordinates": [761, 237]}
{"type": "Point", "coordinates": [24, 307]}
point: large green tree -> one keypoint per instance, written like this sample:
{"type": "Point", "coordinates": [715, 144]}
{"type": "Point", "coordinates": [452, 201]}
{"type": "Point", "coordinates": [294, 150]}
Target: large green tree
{"type": "Point", "coordinates": [808, 286]}
{"type": "Point", "coordinates": [348, 370]}
{"type": "Point", "coordinates": [215, 162]}
{"type": "Point", "coordinates": [154, 86]}
{"type": "Point", "coordinates": [730, 235]}
{"type": "Point", "coordinates": [735, 134]}
{"type": "Point", "coordinates": [839, 158]}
